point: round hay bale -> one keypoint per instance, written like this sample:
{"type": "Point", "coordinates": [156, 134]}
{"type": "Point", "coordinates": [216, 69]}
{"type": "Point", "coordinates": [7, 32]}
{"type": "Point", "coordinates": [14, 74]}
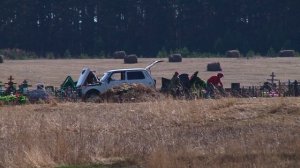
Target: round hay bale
{"type": "Point", "coordinates": [287, 53]}
{"type": "Point", "coordinates": [1, 59]}
{"type": "Point", "coordinates": [215, 66]}
{"type": "Point", "coordinates": [119, 55]}
{"type": "Point", "coordinates": [175, 58]}
{"type": "Point", "coordinates": [130, 59]}
{"type": "Point", "coordinates": [233, 54]}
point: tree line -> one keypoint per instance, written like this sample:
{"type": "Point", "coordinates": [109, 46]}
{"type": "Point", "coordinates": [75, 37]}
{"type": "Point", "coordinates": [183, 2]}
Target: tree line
{"type": "Point", "coordinates": [145, 27]}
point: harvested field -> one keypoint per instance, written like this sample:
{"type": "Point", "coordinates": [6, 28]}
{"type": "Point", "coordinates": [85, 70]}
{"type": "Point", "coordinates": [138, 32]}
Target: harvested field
{"type": "Point", "coordinates": [236, 70]}
{"type": "Point", "coordinates": [207, 133]}
{"type": "Point", "coordinates": [258, 132]}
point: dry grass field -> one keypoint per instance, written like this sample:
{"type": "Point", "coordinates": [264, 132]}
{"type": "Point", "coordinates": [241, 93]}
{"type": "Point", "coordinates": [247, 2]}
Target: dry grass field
{"type": "Point", "coordinates": [231, 132]}
{"type": "Point", "coordinates": [245, 71]}
{"type": "Point", "coordinates": [262, 132]}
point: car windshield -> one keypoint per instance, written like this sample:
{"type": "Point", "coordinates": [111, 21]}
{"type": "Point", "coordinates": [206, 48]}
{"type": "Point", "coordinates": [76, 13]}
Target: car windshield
{"type": "Point", "coordinates": [104, 77]}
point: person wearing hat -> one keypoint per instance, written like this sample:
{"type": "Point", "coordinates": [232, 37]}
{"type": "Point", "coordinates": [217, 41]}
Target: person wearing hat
{"type": "Point", "coordinates": [212, 82]}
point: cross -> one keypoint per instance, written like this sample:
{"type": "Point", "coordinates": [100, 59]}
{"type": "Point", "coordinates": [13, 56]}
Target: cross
{"type": "Point", "coordinates": [10, 82]}
{"type": "Point", "coordinates": [273, 78]}
{"type": "Point", "coordinates": [10, 78]}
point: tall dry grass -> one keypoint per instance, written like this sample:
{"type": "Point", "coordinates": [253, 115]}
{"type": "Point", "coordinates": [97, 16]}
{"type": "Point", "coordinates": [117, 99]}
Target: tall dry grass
{"type": "Point", "coordinates": [200, 133]}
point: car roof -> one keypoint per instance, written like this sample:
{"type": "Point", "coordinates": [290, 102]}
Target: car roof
{"type": "Point", "coordinates": [129, 69]}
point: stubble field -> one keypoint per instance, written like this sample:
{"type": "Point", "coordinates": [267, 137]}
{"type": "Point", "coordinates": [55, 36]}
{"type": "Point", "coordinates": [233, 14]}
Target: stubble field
{"type": "Point", "coordinates": [248, 132]}
{"type": "Point", "coordinates": [236, 70]}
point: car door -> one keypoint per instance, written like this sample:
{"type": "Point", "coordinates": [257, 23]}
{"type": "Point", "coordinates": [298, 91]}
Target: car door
{"type": "Point", "coordinates": [148, 68]}
{"type": "Point", "coordinates": [116, 79]}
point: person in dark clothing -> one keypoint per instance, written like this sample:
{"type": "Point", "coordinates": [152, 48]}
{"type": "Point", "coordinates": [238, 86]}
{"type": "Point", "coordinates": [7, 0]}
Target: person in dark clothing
{"type": "Point", "coordinates": [296, 89]}
{"type": "Point", "coordinates": [175, 84]}
{"type": "Point", "coordinates": [197, 84]}
{"type": "Point", "coordinates": [193, 77]}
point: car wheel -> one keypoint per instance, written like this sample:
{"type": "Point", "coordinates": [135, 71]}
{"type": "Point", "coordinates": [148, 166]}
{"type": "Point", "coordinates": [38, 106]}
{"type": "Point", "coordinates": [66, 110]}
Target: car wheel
{"type": "Point", "coordinates": [92, 97]}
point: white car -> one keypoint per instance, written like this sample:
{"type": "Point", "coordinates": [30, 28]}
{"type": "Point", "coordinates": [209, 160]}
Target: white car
{"type": "Point", "coordinates": [89, 86]}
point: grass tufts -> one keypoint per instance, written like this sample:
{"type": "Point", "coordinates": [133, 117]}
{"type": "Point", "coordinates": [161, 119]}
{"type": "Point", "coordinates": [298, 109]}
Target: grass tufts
{"type": "Point", "coordinates": [167, 133]}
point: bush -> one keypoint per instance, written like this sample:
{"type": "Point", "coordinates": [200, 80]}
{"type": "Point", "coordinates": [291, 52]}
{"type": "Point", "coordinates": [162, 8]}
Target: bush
{"type": "Point", "coordinates": [67, 54]}
{"type": "Point", "coordinates": [183, 51]}
{"type": "Point", "coordinates": [101, 55]}
{"type": "Point", "coordinates": [16, 53]}
{"type": "Point", "coordinates": [271, 52]}
{"type": "Point", "coordinates": [84, 56]}
{"type": "Point", "coordinates": [50, 55]}
{"type": "Point", "coordinates": [162, 53]}
{"type": "Point", "coordinates": [250, 53]}
{"type": "Point", "coordinates": [13, 99]}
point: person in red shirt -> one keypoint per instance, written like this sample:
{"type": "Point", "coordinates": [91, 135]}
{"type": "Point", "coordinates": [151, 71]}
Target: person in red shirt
{"type": "Point", "coordinates": [216, 80]}
{"type": "Point", "coordinates": [212, 82]}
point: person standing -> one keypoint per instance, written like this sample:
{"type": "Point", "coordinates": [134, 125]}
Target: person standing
{"type": "Point", "coordinates": [175, 84]}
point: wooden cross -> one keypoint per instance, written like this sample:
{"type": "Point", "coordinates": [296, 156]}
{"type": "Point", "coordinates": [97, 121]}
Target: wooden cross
{"type": "Point", "coordinates": [273, 78]}
{"type": "Point", "coordinates": [10, 81]}
{"type": "Point", "coordinates": [10, 78]}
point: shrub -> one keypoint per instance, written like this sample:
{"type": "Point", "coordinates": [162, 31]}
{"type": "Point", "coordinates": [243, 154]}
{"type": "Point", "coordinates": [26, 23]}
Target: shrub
{"type": "Point", "coordinates": [67, 54]}
{"type": "Point", "coordinates": [13, 99]}
{"type": "Point", "coordinates": [250, 53]}
{"type": "Point", "coordinates": [271, 52]}
{"type": "Point", "coordinates": [162, 53]}
{"type": "Point", "coordinates": [16, 53]}
{"type": "Point", "coordinates": [50, 55]}
{"type": "Point", "coordinates": [183, 51]}
{"type": "Point", "coordinates": [83, 56]}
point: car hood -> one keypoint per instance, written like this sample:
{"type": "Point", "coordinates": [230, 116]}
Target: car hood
{"type": "Point", "coordinates": [83, 75]}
